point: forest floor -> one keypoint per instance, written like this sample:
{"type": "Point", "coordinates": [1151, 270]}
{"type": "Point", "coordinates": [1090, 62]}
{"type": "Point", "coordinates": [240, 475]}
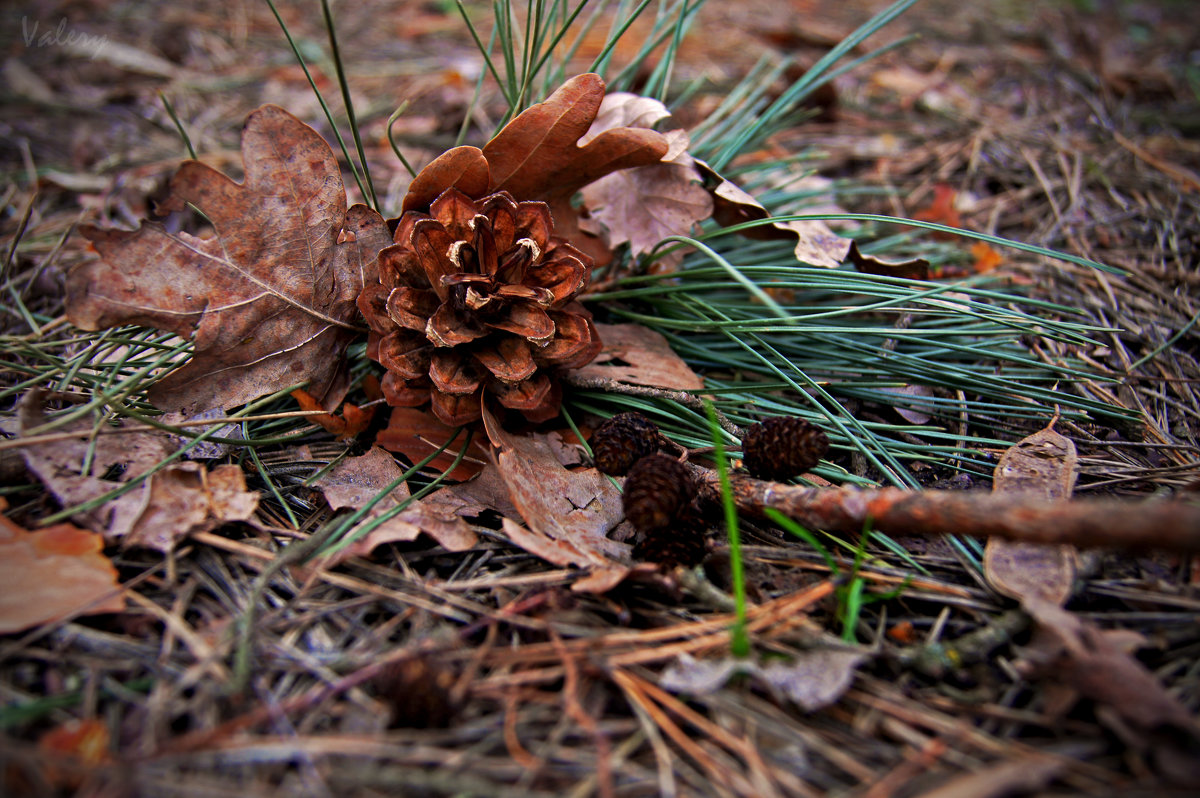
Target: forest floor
{"type": "Point", "coordinates": [1070, 125]}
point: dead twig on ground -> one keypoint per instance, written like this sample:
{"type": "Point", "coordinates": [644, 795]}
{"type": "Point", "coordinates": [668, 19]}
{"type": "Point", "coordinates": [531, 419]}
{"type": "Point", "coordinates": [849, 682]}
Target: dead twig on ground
{"type": "Point", "coordinates": [1172, 525]}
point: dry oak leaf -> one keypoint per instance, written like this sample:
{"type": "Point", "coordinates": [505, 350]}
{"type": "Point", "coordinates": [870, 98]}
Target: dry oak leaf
{"type": "Point", "coordinates": [539, 156]}
{"type": "Point", "coordinates": [417, 433]}
{"type": "Point", "coordinates": [816, 243]}
{"type": "Point", "coordinates": [647, 204]}
{"type": "Point", "coordinates": [813, 679]}
{"type": "Point", "coordinates": [75, 469]}
{"type": "Point", "coordinates": [270, 301]}
{"type": "Point", "coordinates": [52, 573]}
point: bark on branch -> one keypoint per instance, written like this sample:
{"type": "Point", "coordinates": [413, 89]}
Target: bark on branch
{"type": "Point", "coordinates": [1155, 524]}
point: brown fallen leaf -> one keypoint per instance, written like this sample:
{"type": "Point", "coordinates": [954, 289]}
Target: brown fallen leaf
{"type": "Point", "coordinates": [1042, 465]}
{"type": "Point", "coordinates": [812, 679]}
{"type": "Point", "coordinates": [637, 355]}
{"type": "Point", "coordinates": [986, 258]}
{"type": "Point", "coordinates": [181, 500]}
{"type": "Point", "coordinates": [178, 500]}
{"type": "Point", "coordinates": [646, 204]}
{"type": "Point", "coordinates": [52, 573]}
{"type": "Point", "coordinates": [912, 269]}
{"type": "Point", "coordinates": [567, 514]}
{"type": "Point", "coordinates": [270, 301]}
{"type": "Point", "coordinates": [910, 408]}
{"type": "Point", "coordinates": [941, 210]}
{"type": "Point", "coordinates": [355, 481]}
{"type": "Point", "coordinates": [538, 156]}
{"type": "Point", "coordinates": [85, 745]}
{"type": "Point", "coordinates": [60, 464]}
{"type": "Point", "coordinates": [463, 168]}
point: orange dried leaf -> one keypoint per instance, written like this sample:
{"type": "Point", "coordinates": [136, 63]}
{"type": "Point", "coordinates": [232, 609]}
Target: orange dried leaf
{"type": "Point", "coordinates": [941, 209]}
{"type": "Point", "coordinates": [463, 168]}
{"type": "Point", "coordinates": [985, 257]}
{"type": "Point", "coordinates": [88, 740]}
{"type": "Point", "coordinates": [51, 573]}
{"type": "Point", "coordinates": [347, 426]}
{"type": "Point", "coordinates": [73, 748]}
{"type": "Point", "coordinates": [537, 155]}
{"type": "Point", "coordinates": [270, 301]}
{"type": "Point", "coordinates": [417, 433]}
{"type": "Point", "coordinates": [545, 154]}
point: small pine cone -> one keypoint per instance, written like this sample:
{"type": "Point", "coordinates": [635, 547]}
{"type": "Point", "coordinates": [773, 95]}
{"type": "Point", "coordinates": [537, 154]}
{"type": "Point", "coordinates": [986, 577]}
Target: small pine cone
{"type": "Point", "coordinates": [684, 542]}
{"type": "Point", "coordinates": [657, 490]}
{"type": "Point", "coordinates": [782, 447]}
{"type": "Point", "coordinates": [419, 693]}
{"type": "Point", "coordinates": [623, 440]}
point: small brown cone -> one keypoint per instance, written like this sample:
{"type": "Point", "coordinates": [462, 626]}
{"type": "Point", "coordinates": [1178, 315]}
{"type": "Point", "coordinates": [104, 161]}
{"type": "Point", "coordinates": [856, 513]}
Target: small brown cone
{"type": "Point", "coordinates": [657, 490]}
{"type": "Point", "coordinates": [623, 440]}
{"type": "Point", "coordinates": [783, 447]}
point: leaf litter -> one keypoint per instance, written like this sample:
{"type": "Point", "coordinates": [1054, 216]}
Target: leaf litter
{"type": "Point", "coordinates": [848, 746]}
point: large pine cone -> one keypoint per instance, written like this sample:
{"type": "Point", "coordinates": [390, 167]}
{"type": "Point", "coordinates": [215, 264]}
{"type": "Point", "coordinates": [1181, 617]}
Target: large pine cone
{"type": "Point", "coordinates": [478, 296]}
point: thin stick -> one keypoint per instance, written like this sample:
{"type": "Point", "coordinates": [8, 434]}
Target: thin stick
{"type": "Point", "coordinates": [1171, 525]}
{"type": "Point", "coordinates": [613, 386]}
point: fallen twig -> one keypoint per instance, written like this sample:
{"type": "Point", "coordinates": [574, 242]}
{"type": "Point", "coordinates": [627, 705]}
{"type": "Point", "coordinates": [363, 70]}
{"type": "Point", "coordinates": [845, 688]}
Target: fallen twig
{"type": "Point", "coordinates": [1167, 524]}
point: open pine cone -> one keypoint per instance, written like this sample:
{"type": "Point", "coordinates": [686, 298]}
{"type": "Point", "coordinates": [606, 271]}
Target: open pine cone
{"type": "Point", "coordinates": [478, 296]}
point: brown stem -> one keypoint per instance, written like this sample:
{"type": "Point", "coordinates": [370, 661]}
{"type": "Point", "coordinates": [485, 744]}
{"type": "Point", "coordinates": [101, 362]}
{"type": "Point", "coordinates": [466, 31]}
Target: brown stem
{"type": "Point", "coordinates": [1170, 524]}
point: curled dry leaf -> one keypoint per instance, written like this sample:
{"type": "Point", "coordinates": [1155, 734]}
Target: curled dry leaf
{"type": "Point", "coordinates": [1096, 663]}
{"type": "Point", "coordinates": [346, 426]}
{"type": "Point", "coordinates": [637, 355]}
{"type": "Point", "coordinates": [355, 481]}
{"type": "Point", "coordinates": [176, 501]}
{"type": "Point", "coordinates": [644, 205]}
{"type": "Point", "coordinates": [51, 573]}
{"type": "Point", "coordinates": [270, 301]}
{"type": "Point", "coordinates": [85, 741]}
{"type": "Point", "coordinates": [816, 243]}
{"type": "Point", "coordinates": [539, 156]}
{"type": "Point", "coordinates": [568, 514]}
